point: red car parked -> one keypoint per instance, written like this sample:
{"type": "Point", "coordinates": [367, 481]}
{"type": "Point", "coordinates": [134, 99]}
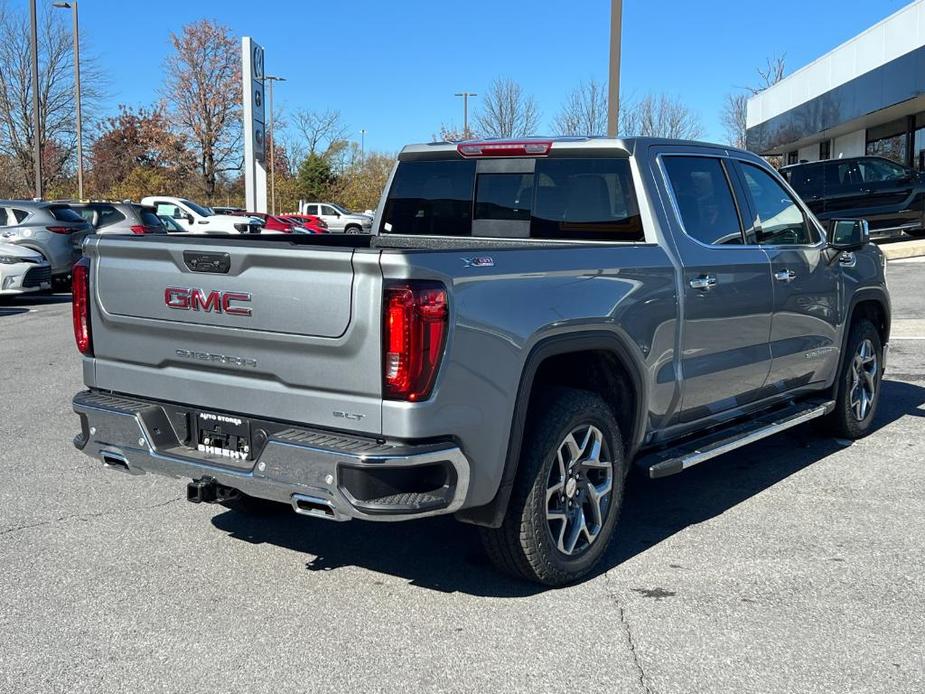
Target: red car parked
{"type": "Point", "coordinates": [309, 221]}
{"type": "Point", "coordinates": [287, 223]}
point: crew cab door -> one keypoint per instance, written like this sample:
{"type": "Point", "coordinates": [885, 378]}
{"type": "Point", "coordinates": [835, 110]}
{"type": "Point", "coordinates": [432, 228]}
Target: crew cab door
{"type": "Point", "coordinates": [806, 283]}
{"type": "Point", "coordinates": [726, 289]}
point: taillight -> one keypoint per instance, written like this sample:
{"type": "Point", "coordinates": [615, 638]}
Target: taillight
{"type": "Point", "coordinates": [60, 230]}
{"type": "Point", "coordinates": [80, 306]}
{"type": "Point", "coordinates": [490, 148]}
{"type": "Point", "coordinates": [414, 333]}
{"type": "Point", "coordinates": [138, 229]}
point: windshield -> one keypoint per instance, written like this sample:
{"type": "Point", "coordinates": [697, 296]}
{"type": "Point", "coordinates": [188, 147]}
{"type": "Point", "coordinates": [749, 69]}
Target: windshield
{"type": "Point", "coordinates": [198, 209]}
{"type": "Point", "coordinates": [340, 209]}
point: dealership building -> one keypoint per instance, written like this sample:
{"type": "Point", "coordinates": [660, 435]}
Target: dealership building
{"type": "Point", "coordinates": [865, 97]}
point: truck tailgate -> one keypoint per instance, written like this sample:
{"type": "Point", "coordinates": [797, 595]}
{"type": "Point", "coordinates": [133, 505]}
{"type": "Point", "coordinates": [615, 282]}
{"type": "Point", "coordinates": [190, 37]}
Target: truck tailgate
{"type": "Point", "coordinates": [268, 329]}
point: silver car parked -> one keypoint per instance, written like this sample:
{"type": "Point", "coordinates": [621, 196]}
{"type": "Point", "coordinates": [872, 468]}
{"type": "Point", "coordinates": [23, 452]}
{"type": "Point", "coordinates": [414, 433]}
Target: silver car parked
{"type": "Point", "coordinates": [50, 228]}
{"type": "Point", "coordinates": [124, 217]}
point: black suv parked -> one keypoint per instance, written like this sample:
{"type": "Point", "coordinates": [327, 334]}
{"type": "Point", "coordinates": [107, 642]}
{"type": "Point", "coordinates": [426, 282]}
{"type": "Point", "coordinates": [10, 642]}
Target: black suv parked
{"type": "Point", "coordinates": [891, 197]}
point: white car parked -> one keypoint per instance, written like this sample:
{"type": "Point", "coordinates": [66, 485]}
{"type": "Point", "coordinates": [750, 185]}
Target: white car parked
{"type": "Point", "coordinates": [22, 270]}
{"type": "Point", "coordinates": [197, 219]}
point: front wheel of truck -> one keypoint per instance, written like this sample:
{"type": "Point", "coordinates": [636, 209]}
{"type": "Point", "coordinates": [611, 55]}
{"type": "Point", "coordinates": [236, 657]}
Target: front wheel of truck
{"type": "Point", "coordinates": [568, 491]}
{"type": "Point", "coordinates": [858, 384]}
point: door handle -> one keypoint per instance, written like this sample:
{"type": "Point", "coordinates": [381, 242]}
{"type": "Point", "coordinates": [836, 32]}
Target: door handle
{"type": "Point", "coordinates": [703, 282]}
{"type": "Point", "coordinates": [785, 276]}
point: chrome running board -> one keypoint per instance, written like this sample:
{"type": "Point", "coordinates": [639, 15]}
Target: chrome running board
{"type": "Point", "coordinates": [679, 458]}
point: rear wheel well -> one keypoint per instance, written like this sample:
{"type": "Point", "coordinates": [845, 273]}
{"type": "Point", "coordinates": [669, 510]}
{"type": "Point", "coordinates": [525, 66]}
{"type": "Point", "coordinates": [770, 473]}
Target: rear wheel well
{"type": "Point", "coordinates": [597, 371]}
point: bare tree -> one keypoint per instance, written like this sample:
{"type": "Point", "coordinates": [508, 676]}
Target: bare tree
{"type": "Point", "coordinates": [506, 111]}
{"type": "Point", "coordinates": [324, 132]}
{"type": "Point", "coordinates": [773, 72]}
{"type": "Point", "coordinates": [733, 118]}
{"type": "Point", "coordinates": [58, 136]}
{"type": "Point", "coordinates": [203, 84]}
{"type": "Point", "coordinates": [584, 112]}
{"type": "Point", "coordinates": [660, 115]}
{"type": "Point", "coordinates": [735, 107]}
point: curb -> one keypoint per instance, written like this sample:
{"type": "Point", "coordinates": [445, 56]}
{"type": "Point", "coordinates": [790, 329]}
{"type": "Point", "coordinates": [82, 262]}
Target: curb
{"type": "Point", "coordinates": [903, 249]}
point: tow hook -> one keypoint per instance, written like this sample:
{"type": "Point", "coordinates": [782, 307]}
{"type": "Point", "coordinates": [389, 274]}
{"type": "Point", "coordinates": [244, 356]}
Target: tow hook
{"type": "Point", "coordinates": [206, 490]}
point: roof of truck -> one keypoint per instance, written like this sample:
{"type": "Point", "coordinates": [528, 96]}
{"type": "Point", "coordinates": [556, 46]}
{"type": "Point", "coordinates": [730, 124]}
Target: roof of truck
{"type": "Point", "coordinates": [620, 146]}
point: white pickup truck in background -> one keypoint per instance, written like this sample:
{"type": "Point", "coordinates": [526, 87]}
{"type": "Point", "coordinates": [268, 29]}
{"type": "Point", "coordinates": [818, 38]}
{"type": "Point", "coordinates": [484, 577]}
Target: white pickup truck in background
{"type": "Point", "coordinates": [197, 219]}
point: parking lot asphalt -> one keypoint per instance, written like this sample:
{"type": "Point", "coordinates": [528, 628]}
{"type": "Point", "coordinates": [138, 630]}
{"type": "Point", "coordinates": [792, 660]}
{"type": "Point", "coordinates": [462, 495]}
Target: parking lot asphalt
{"type": "Point", "coordinates": [794, 565]}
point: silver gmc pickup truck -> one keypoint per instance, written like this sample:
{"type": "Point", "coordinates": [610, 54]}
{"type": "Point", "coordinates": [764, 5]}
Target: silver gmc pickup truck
{"type": "Point", "coordinates": [528, 320]}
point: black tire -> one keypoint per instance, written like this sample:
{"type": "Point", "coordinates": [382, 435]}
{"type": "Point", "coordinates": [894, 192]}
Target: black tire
{"type": "Point", "coordinates": [524, 545]}
{"type": "Point", "coordinates": [845, 421]}
{"type": "Point", "coordinates": [353, 229]}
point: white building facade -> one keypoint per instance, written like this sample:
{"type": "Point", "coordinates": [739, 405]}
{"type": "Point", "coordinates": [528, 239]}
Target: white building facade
{"type": "Point", "coordinates": [867, 96]}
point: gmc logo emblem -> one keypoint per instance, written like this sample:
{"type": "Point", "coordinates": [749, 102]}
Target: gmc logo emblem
{"type": "Point", "coordinates": [214, 302]}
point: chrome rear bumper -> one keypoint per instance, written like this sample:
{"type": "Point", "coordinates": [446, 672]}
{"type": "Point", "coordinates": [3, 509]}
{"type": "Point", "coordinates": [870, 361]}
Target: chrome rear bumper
{"type": "Point", "coordinates": [294, 464]}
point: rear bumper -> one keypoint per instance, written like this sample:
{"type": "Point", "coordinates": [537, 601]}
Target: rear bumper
{"type": "Point", "coordinates": [349, 477]}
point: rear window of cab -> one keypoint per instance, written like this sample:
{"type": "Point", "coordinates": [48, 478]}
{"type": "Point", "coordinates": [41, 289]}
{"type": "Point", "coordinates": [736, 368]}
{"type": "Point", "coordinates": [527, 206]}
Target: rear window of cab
{"type": "Point", "coordinates": [561, 198]}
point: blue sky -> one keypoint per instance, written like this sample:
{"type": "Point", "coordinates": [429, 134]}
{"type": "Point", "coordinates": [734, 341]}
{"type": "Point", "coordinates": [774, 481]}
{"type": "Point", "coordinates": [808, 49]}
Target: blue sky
{"type": "Point", "coordinates": [392, 67]}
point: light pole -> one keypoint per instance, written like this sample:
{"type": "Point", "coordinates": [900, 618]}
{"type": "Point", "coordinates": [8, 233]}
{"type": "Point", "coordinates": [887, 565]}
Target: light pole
{"type": "Point", "coordinates": [362, 141]}
{"type": "Point", "coordinates": [270, 79]}
{"type": "Point", "coordinates": [80, 159]}
{"type": "Point", "coordinates": [465, 96]}
{"type": "Point", "coordinates": [613, 93]}
{"type": "Point", "coordinates": [36, 120]}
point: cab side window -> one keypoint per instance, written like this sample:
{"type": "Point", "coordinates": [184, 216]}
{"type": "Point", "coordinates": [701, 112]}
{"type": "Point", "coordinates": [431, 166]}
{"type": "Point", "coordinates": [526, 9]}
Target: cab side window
{"type": "Point", "coordinates": [166, 209]}
{"type": "Point", "coordinates": [782, 222]}
{"type": "Point", "coordinates": [701, 189]}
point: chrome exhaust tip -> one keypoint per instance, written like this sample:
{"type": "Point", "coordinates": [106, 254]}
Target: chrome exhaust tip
{"type": "Point", "coordinates": [317, 507]}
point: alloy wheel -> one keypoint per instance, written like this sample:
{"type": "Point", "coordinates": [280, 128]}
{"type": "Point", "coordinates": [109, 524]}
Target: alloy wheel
{"type": "Point", "coordinates": [864, 370]}
{"type": "Point", "coordinates": [579, 490]}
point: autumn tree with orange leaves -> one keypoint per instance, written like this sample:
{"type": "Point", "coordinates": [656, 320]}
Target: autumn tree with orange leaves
{"type": "Point", "coordinates": [202, 90]}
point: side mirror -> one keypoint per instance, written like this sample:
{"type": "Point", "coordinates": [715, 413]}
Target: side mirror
{"type": "Point", "coordinates": [849, 234]}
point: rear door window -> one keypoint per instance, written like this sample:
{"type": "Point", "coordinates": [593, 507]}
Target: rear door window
{"type": "Point", "coordinates": [704, 197]}
{"type": "Point", "coordinates": [807, 180]}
